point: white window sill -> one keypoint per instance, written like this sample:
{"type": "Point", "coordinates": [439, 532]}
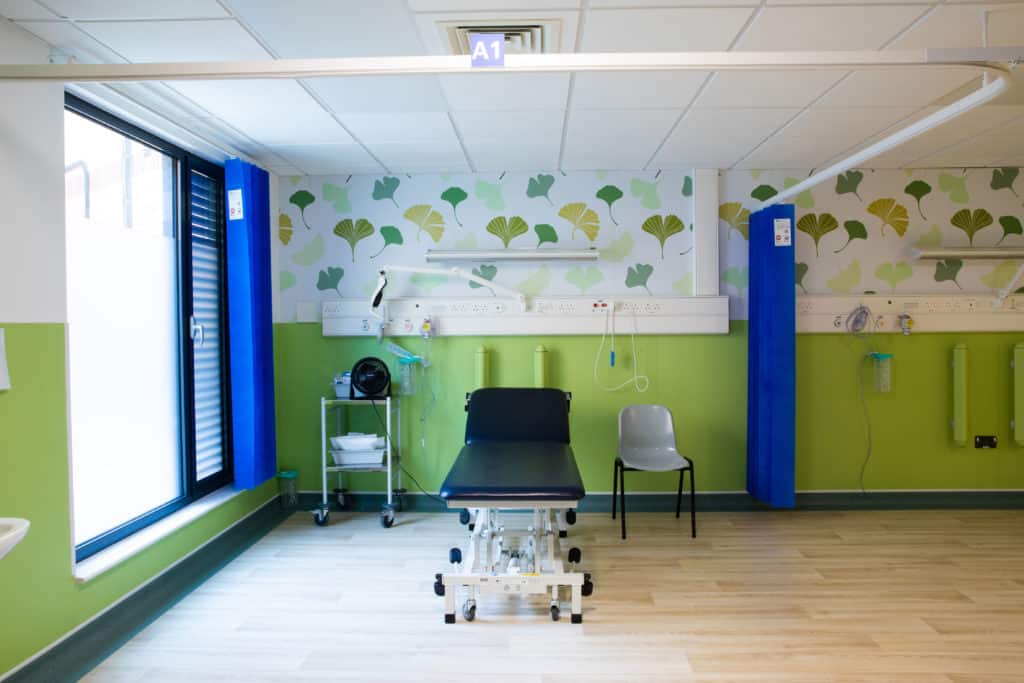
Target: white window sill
{"type": "Point", "coordinates": [113, 555]}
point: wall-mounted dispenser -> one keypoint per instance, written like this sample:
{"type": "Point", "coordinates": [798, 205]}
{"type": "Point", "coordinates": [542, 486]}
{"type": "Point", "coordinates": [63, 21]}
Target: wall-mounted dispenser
{"type": "Point", "coordinates": [883, 371]}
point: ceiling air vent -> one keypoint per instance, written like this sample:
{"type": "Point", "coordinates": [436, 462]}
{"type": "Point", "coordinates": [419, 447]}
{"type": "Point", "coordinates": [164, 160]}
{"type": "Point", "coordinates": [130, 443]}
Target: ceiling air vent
{"type": "Point", "coordinates": [521, 37]}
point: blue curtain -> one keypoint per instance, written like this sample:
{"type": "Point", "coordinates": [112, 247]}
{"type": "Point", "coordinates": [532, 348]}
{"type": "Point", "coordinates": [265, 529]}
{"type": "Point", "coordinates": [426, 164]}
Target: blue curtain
{"type": "Point", "coordinates": [771, 358]}
{"type": "Point", "coordinates": [250, 331]}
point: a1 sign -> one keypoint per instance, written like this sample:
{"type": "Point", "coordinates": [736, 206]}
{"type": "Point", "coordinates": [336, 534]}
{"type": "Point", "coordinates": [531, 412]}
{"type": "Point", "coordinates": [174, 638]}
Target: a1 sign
{"type": "Point", "coordinates": [487, 49]}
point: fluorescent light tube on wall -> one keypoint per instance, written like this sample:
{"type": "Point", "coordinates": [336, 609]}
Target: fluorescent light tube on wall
{"type": "Point", "coordinates": [443, 255]}
{"type": "Point", "coordinates": [968, 253]}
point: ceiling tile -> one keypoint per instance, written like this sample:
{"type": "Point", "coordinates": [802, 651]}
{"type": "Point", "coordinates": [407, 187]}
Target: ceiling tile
{"type": "Point", "coordinates": [379, 93]}
{"type": "Point", "coordinates": [896, 87]}
{"type": "Point", "coordinates": [178, 41]}
{"type": "Point", "coordinates": [662, 30]}
{"type": "Point", "coordinates": [329, 159]}
{"type": "Point", "coordinates": [609, 138]}
{"type": "Point", "coordinates": [769, 89]}
{"type": "Point", "coordinates": [24, 9]}
{"type": "Point", "coordinates": [284, 171]}
{"type": "Point", "coordinates": [984, 150]}
{"type": "Point", "coordinates": [314, 28]}
{"type": "Point", "coordinates": [944, 27]}
{"type": "Point", "coordinates": [421, 126]}
{"type": "Point", "coordinates": [435, 39]}
{"type": "Point", "coordinates": [850, 27]}
{"type": "Point", "coordinates": [137, 9]}
{"type": "Point", "coordinates": [421, 157]}
{"type": "Point", "coordinates": [623, 4]}
{"type": "Point", "coordinates": [523, 127]}
{"type": "Point", "coordinates": [1006, 26]}
{"type": "Point", "coordinates": [636, 89]}
{"type": "Point", "coordinates": [504, 92]}
{"type": "Point", "coordinates": [719, 138]}
{"type": "Point", "coordinates": [498, 156]}
{"type": "Point", "coordinates": [67, 37]}
{"type": "Point", "coordinates": [272, 112]}
{"type": "Point", "coordinates": [490, 5]}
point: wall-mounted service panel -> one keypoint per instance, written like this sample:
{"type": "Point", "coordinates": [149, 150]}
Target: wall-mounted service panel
{"type": "Point", "coordinates": [955, 313]}
{"type": "Point", "coordinates": [497, 316]}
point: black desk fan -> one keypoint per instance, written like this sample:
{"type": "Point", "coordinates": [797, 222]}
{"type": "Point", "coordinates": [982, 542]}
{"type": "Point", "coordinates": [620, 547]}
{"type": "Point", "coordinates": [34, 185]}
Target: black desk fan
{"type": "Point", "coordinates": [371, 379]}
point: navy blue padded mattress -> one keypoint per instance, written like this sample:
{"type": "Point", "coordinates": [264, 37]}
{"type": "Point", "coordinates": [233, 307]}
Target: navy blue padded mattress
{"type": "Point", "coordinates": [514, 471]}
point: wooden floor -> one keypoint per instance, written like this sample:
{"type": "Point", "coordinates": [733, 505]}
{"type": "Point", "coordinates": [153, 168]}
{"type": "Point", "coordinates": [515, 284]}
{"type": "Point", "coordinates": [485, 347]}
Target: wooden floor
{"type": "Point", "coordinates": [811, 596]}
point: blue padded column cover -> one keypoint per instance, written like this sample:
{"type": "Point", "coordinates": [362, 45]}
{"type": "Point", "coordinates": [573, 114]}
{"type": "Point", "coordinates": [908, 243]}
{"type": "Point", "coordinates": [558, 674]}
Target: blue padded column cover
{"type": "Point", "coordinates": [771, 361]}
{"type": "Point", "coordinates": [250, 331]}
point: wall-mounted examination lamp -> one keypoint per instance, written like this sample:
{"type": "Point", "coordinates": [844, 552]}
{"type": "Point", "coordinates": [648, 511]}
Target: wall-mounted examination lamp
{"type": "Point", "coordinates": [475, 255]}
{"type": "Point", "coordinates": [977, 253]}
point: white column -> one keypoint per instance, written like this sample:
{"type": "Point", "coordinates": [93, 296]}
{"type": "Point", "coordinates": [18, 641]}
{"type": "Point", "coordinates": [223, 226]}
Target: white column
{"type": "Point", "coordinates": [705, 232]}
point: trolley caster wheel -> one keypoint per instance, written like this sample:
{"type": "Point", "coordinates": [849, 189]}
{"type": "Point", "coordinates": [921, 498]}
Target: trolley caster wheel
{"type": "Point", "coordinates": [438, 586]}
{"type": "Point", "coordinates": [464, 516]}
{"type": "Point", "coordinates": [387, 516]}
{"type": "Point", "coordinates": [570, 517]}
{"type": "Point", "coordinates": [449, 618]}
{"type": "Point", "coordinates": [339, 495]}
{"type": "Point", "coordinates": [555, 613]}
{"type": "Point", "coordinates": [455, 556]}
{"type": "Point", "coordinates": [588, 586]}
{"type": "Point", "coordinates": [575, 555]}
{"type": "Point", "coordinates": [576, 619]}
{"type": "Point", "coordinates": [320, 517]}
{"type": "Point", "coordinates": [562, 533]}
{"type": "Point", "coordinates": [469, 612]}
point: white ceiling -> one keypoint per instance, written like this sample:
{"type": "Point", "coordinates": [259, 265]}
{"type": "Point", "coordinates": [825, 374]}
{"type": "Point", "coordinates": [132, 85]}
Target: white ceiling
{"type": "Point", "coordinates": [503, 122]}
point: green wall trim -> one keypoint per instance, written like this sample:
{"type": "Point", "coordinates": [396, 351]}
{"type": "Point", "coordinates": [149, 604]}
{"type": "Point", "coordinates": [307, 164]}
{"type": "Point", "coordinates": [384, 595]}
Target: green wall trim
{"type": "Point", "coordinates": [74, 657]}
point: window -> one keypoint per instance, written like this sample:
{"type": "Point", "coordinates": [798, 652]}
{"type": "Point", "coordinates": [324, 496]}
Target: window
{"type": "Point", "coordinates": [146, 333]}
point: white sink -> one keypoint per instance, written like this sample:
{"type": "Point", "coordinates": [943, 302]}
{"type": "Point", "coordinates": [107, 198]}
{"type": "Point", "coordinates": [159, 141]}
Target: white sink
{"type": "Point", "coordinates": [12, 530]}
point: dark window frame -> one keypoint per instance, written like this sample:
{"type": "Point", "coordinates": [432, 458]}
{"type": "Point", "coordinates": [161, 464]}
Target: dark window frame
{"type": "Point", "coordinates": [185, 164]}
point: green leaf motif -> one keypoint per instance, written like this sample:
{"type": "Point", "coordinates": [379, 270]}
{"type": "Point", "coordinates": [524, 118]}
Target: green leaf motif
{"type": "Point", "coordinates": [584, 278]}
{"type": "Point", "coordinates": [337, 197]}
{"type": "Point", "coordinates": [486, 271]}
{"type": "Point", "coordinates": [427, 220]}
{"type": "Point", "coordinates": [763, 192]}
{"type": "Point", "coordinates": [312, 252]}
{"type": "Point", "coordinates": [391, 235]}
{"type": "Point", "coordinates": [467, 242]}
{"type": "Point", "coordinates": [890, 213]}
{"type": "Point", "coordinates": [687, 186]}
{"type": "Point", "coordinates": [855, 230]}
{"type": "Point", "coordinates": [581, 218]}
{"type": "Point", "coordinates": [947, 270]}
{"type": "Point", "coordinates": [455, 196]}
{"type": "Point", "coordinates": [918, 189]}
{"type": "Point", "coordinates": [536, 283]}
{"type": "Point", "coordinates": [302, 199]}
{"type": "Point", "coordinates": [353, 232]}
{"type": "Point", "coordinates": [638, 275]}
{"type": "Point", "coordinates": [1003, 179]}
{"type": "Point", "coordinates": [737, 278]}
{"type": "Point", "coordinates": [385, 188]}
{"type": "Point", "coordinates": [736, 217]}
{"type": "Point", "coordinates": [847, 183]}
{"type": "Point", "coordinates": [539, 186]}
{"type": "Point", "coordinates": [507, 229]}
{"type": "Point", "coordinates": [663, 227]}
{"type": "Point", "coordinates": [804, 200]}
{"type": "Point", "coordinates": [610, 194]}
{"type": "Point", "coordinates": [490, 195]}
{"type": "Point", "coordinates": [329, 279]}
{"type": "Point", "coordinates": [955, 187]}
{"type": "Point", "coordinates": [1011, 226]}
{"type": "Point", "coordinates": [971, 223]}
{"type": "Point", "coordinates": [846, 279]}
{"type": "Point", "coordinates": [684, 285]}
{"type": "Point", "coordinates": [1000, 277]}
{"type": "Point", "coordinates": [930, 239]}
{"type": "Point", "coordinates": [646, 192]}
{"type": "Point", "coordinates": [800, 270]}
{"type": "Point", "coordinates": [285, 230]}
{"type": "Point", "coordinates": [817, 226]}
{"type": "Point", "coordinates": [545, 233]}
{"type": "Point", "coordinates": [427, 281]}
{"type": "Point", "coordinates": [286, 280]}
{"type": "Point", "coordinates": [894, 273]}
{"type": "Point", "coordinates": [619, 250]}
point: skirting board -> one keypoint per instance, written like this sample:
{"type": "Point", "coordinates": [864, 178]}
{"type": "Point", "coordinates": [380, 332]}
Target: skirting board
{"type": "Point", "coordinates": [83, 649]}
{"type": "Point", "coordinates": [726, 501]}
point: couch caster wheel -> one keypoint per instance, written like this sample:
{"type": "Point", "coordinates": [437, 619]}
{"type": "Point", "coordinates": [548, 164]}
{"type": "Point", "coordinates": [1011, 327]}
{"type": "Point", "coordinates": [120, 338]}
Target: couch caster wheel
{"type": "Point", "coordinates": [469, 611]}
{"type": "Point", "coordinates": [575, 555]}
{"type": "Point", "coordinates": [464, 516]}
{"type": "Point", "coordinates": [438, 586]}
{"type": "Point", "coordinates": [455, 556]}
{"type": "Point", "coordinates": [387, 516]}
{"type": "Point", "coordinates": [562, 533]}
{"type": "Point", "coordinates": [587, 589]}
{"type": "Point", "coordinates": [570, 517]}
{"type": "Point", "coordinates": [449, 618]}
{"type": "Point", "coordinates": [577, 619]}
{"type": "Point", "coordinates": [320, 516]}
{"type": "Point", "coordinates": [555, 613]}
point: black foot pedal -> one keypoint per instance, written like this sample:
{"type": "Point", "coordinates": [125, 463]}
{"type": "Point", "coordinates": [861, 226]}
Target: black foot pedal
{"type": "Point", "coordinates": [577, 618]}
{"type": "Point", "coordinates": [455, 556]}
{"type": "Point", "coordinates": [562, 533]}
{"type": "Point", "coordinates": [464, 516]}
{"type": "Point", "coordinates": [450, 618]}
{"type": "Point", "coordinates": [570, 517]}
{"type": "Point", "coordinates": [438, 586]}
{"type": "Point", "coordinates": [575, 555]}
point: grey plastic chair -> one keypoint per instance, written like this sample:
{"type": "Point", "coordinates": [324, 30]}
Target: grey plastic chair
{"type": "Point", "coordinates": [647, 443]}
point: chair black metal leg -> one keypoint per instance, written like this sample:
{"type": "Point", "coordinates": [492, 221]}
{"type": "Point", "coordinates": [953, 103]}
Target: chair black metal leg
{"type": "Point", "coordinates": [693, 506]}
{"type": "Point", "coordinates": [622, 499]}
{"type": "Point", "coordinates": [679, 493]}
{"type": "Point", "coordinates": [615, 487]}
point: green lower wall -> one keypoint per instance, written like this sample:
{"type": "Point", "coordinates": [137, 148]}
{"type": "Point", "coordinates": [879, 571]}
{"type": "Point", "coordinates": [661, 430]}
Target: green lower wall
{"type": "Point", "coordinates": [703, 380]}
{"type": "Point", "coordinates": [39, 600]}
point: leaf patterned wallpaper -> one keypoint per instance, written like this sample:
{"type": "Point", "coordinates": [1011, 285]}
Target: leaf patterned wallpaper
{"type": "Point", "coordinates": [333, 233]}
{"type": "Point", "coordinates": [853, 234]}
